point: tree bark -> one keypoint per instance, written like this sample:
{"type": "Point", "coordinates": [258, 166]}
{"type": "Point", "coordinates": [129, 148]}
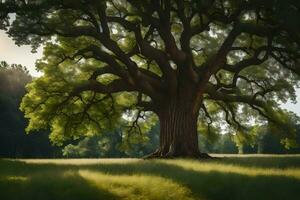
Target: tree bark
{"type": "Point", "coordinates": [178, 131]}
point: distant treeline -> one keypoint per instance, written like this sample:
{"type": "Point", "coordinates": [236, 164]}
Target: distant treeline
{"type": "Point", "coordinates": [14, 142]}
{"type": "Point", "coordinates": [266, 143]}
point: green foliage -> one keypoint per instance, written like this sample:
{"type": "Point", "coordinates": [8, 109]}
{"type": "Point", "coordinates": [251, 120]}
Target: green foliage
{"type": "Point", "coordinates": [48, 103]}
{"type": "Point", "coordinates": [114, 144]}
{"type": "Point", "coordinates": [67, 119]}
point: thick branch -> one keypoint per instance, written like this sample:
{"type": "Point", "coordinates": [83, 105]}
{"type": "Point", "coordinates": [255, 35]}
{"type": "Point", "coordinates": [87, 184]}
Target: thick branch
{"type": "Point", "coordinates": [218, 61]}
{"type": "Point", "coordinates": [115, 86]}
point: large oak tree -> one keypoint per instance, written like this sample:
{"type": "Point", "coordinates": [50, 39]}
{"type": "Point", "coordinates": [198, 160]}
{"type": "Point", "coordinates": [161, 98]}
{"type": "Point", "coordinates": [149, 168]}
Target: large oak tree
{"type": "Point", "coordinates": [195, 64]}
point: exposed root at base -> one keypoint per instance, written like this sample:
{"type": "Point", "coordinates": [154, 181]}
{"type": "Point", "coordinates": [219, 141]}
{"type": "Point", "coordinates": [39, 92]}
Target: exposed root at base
{"type": "Point", "coordinates": [206, 156]}
{"type": "Point", "coordinates": [158, 155]}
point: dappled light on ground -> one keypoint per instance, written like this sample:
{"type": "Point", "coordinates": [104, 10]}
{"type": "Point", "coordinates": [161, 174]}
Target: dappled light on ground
{"type": "Point", "coordinates": [231, 168]}
{"type": "Point", "coordinates": [137, 186]}
{"type": "Point", "coordinates": [245, 177]}
{"type": "Point", "coordinates": [80, 161]}
{"type": "Point", "coordinates": [16, 178]}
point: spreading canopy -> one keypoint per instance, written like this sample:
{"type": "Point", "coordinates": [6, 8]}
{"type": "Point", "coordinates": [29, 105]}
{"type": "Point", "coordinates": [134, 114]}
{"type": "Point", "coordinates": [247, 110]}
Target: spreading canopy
{"type": "Point", "coordinates": [103, 58]}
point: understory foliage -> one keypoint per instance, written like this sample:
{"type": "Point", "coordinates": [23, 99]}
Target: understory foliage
{"type": "Point", "coordinates": [113, 145]}
{"type": "Point", "coordinates": [119, 62]}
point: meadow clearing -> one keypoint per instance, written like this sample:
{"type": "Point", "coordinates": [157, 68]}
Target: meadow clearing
{"type": "Point", "coordinates": [231, 177]}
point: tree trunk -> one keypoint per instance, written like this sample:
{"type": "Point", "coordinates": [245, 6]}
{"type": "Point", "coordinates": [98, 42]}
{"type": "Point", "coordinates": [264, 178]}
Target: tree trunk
{"type": "Point", "coordinates": [178, 131]}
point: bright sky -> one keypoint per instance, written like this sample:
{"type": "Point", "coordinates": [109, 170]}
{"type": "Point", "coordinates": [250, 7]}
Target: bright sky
{"type": "Point", "coordinates": [11, 53]}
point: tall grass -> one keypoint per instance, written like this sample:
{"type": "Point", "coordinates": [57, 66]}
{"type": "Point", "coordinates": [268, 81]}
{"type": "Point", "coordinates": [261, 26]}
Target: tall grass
{"type": "Point", "coordinates": [232, 177]}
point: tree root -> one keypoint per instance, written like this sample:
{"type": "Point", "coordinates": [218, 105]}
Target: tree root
{"type": "Point", "coordinates": [158, 155]}
{"type": "Point", "coordinates": [155, 154]}
{"type": "Point", "coordinates": [205, 156]}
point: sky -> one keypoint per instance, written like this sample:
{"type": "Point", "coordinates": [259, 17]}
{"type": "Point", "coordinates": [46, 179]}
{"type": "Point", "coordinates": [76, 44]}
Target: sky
{"type": "Point", "coordinates": [12, 53]}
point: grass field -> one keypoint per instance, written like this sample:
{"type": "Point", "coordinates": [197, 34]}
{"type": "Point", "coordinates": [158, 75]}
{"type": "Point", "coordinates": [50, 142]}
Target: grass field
{"type": "Point", "coordinates": [232, 177]}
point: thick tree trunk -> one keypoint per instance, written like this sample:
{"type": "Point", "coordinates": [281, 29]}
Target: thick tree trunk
{"type": "Point", "coordinates": [178, 131]}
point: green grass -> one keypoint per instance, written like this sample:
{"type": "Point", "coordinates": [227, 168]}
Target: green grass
{"type": "Point", "coordinates": [233, 177]}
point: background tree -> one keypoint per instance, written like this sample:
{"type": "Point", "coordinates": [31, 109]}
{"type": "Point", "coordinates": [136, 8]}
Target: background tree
{"type": "Point", "coordinates": [223, 144]}
{"type": "Point", "coordinates": [13, 140]}
{"type": "Point", "coordinates": [193, 64]}
{"type": "Point", "coordinates": [268, 139]}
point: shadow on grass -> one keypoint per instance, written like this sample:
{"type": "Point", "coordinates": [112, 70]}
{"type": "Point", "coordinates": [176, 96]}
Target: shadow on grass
{"type": "Point", "coordinates": [208, 184]}
{"type": "Point", "coordinates": [21, 181]}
